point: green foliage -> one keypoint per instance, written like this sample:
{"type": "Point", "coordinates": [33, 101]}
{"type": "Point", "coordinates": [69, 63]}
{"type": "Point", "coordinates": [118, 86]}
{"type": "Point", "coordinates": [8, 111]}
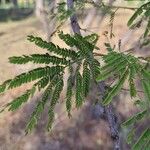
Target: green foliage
{"type": "Point", "coordinates": [135, 118]}
{"type": "Point", "coordinates": [115, 89]}
{"type": "Point", "coordinates": [39, 59]}
{"type": "Point", "coordinates": [115, 64]}
{"type": "Point", "coordinates": [84, 44]}
{"type": "Point", "coordinates": [51, 47]}
{"type": "Point", "coordinates": [62, 12]}
{"type": "Point", "coordinates": [51, 76]}
{"type": "Point", "coordinates": [125, 67]}
{"type": "Point", "coordinates": [55, 96]}
{"type": "Point", "coordinates": [34, 75]}
{"type": "Point", "coordinates": [79, 91]}
{"type": "Point", "coordinates": [86, 78]}
{"type": "Point", "coordinates": [69, 92]}
{"type": "Point", "coordinates": [143, 11]}
{"type": "Point", "coordinates": [38, 109]}
{"type": "Point", "coordinates": [16, 103]}
{"type": "Point", "coordinates": [69, 95]}
{"type": "Point", "coordinates": [84, 68]}
{"type": "Point", "coordinates": [143, 139]}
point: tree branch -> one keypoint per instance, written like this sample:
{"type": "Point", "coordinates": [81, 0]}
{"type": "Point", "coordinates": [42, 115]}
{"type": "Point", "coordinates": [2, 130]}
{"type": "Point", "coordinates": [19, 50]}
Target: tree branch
{"type": "Point", "coordinates": [74, 22]}
{"type": "Point", "coordinates": [111, 117]}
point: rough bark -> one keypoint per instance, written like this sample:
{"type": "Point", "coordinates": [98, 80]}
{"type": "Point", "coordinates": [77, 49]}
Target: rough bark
{"type": "Point", "coordinates": [111, 117]}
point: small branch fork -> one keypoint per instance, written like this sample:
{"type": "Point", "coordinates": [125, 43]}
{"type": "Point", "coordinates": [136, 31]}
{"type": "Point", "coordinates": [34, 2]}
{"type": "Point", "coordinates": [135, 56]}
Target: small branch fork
{"type": "Point", "coordinates": [108, 112]}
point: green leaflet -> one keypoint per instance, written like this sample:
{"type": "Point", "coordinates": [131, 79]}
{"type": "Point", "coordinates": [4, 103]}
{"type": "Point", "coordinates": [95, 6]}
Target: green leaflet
{"type": "Point", "coordinates": [113, 62]}
{"type": "Point", "coordinates": [86, 79]}
{"type": "Point", "coordinates": [132, 74]}
{"type": "Point", "coordinates": [145, 74]}
{"type": "Point", "coordinates": [16, 103]}
{"type": "Point", "coordinates": [69, 95]}
{"type": "Point", "coordinates": [144, 8]}
{"type": "Point", "coordinates": [147, 28]}
{"type": "Point", "coordinates": [51, 117]}
{"type": "Point", "coordinates": [113, 70]}
{"type": "Point", "coordinates": [56, 92]}
{"type": "Point", "coordinates": [130, 136]}
{"type": "Point", "coordinates": [38, 59]}
{"type": "Point", "coordinates": [79, 91]}
{"type": "Point", "coordinates": [94, 68]}
{"type": "Point", "coordinates": [110, 56]}
{"type": "Point", "coordinates": [55, 97]}
{"type": "Point", "coordinates": [116, 88]}
{"type": "Point", "coordinates": [145, 85]}
{"type": "Point", "coordinates": [147, 145]}
{"type": "Point", "coordinates": [43, 82]}
{"type": "Point", "coordinates": [146, 88]}
{"type": "Point", "coordinates": [138, 12]}
{"type": "Point", "coordinates": [34, 74]}
{"type": "Point", "coordinates": [38, 109]}
{"type": "Point", "coordinates": [31, 125]}
{"type": "Point", "coordinates": [68, 39]}
{"type": "Point", "coordinates": [4, 86]}
{"type": "Point", "coordinates": [135, 118]}
{"type": "Point", "coordinates": [52, 47]}
{"type": "Point", "coordinates": [93, 38]}
{"type": "Point", "coordinates": [143, 139]}
{"type": "Point", "coordinates": [83, 46]}
{"type": "Point", "coordinates": [135, 15]}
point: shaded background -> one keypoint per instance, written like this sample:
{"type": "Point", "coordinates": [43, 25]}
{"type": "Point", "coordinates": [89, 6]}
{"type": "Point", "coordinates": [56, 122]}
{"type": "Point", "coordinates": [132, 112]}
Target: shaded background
{"type": "Point", "coordinates": [85, 130]}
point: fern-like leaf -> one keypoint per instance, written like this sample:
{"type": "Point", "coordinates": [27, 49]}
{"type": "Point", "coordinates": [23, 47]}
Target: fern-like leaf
{"type": "Point", "coordinates": [136, 117]}
{"type": "Point", "coordinates": [146, 88]}
{"type": "Point", "coordinates": [52, 47]}
{"type": "Point", "coordinates": [69, 95]}
{"type": "Point", "coordinates": [54, 100]}
{"type": "Point", "coordinates": [143, 139]}
{"type": "Point", "coordinates": [147, 28]}
{"type": "Point", "coordinates": [79, 91]}
{"type": "Point", "coordinates": [4, 86]}
{"type": "Point", "coordinates": [16, 103]}
{"type": "Point", "coordinates": [38, 109]}
{"type": "Point", "coordinates": [132, 74]}
{"type": "Point", "coordinates": [86, 78]}
{"type": "Point", "coordinates": [138, 12]}
{"type": "Point", "coordinates": [38, 59]}
{"type": "Point", "coordinates": [34, 74]}
{"type": "Point", "coordinates": [116, 88]}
